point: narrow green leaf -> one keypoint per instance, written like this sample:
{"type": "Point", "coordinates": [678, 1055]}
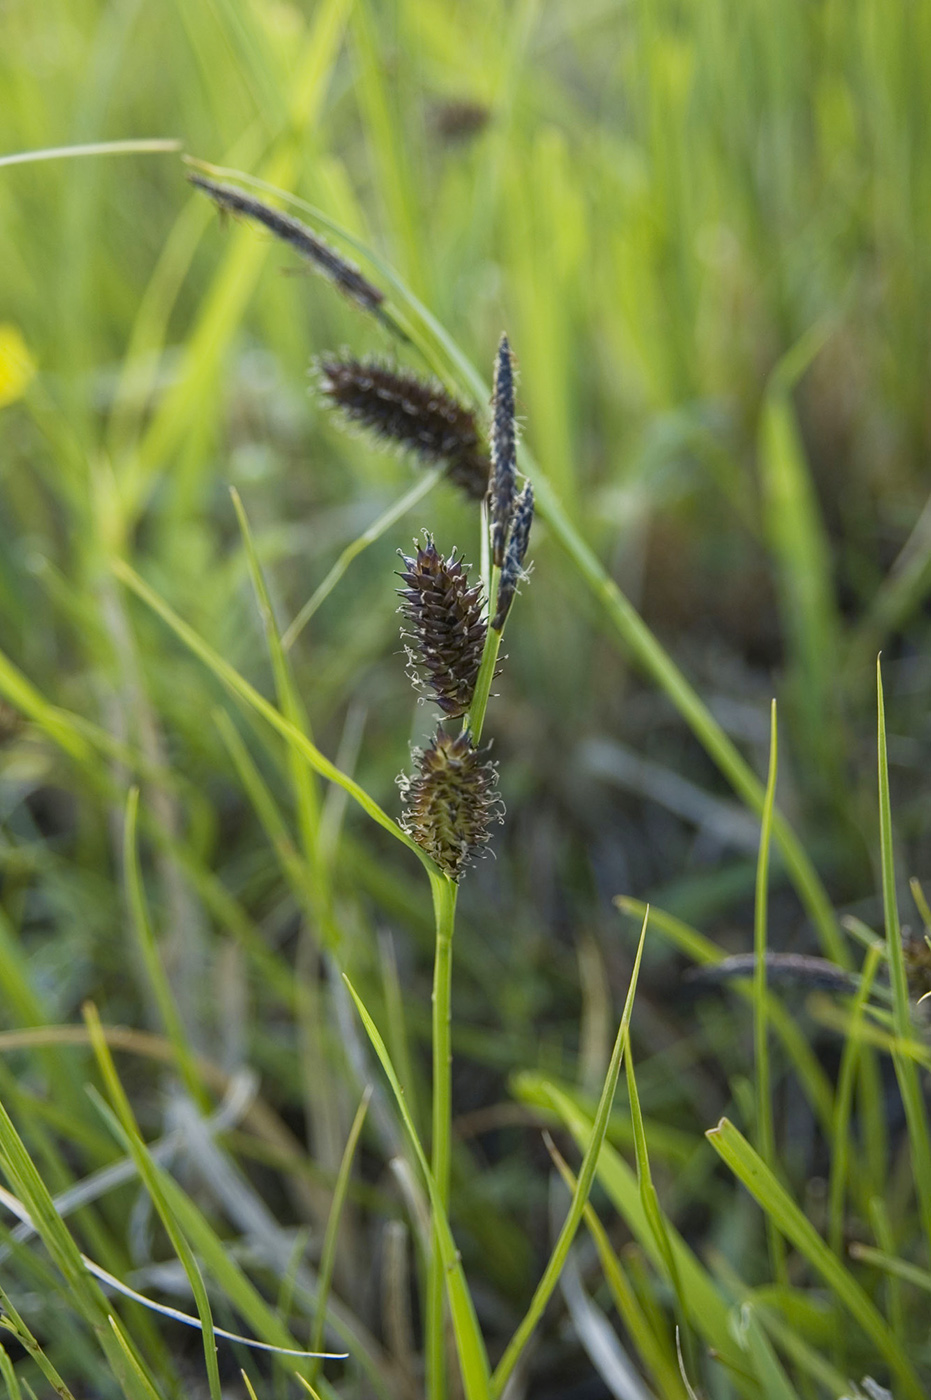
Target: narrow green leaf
{"type": "Point", "coordinates": [241, 687]}
{"type": "Point", "coordinates": [840, 1137]}
{"type": "Point", "coordinates": [151, 1176]}
{"type": "Point", "coordinates": [266, 809]}
{"type": "Point", "coordinates": [701, 950]}
{"type": "Point", "coordinates": [9, 1375]}
{"type": "Point", "coordinates": [769, 1193]}
{"type": "Point", "coordinates": [652, 1210]}
{"type": "Point", "coordinates": [132, 1360]}
{"type": "Point", "coordinates": [560, 1252]}
{"type": "Point", "coordinates": [802, 556]}
{"type": "Point", "coordinates": [764, 1107]}
{"type": "Point", "coordinates": [916, 1115]}
{"type": "Point", "coordinates": [155, 970]}
{"type": "Point", "coordinates": [306, 795]}
{"type": "Point", "coordinates": [653, 1349]}
{"type": "Point", "coordinates": [707, 1310]}
{"type": "Point", "coordinates": [31, 1191]}
{"type": "Point", "coordinates": [765, 1362]}
{"type": "Point", "coordinates": [330, 1238]}
{"type": "Point", "coordinates": [12, 1321]}
{"type": "Point", "coordinates": [473, 1358]}
{"type": "Point", "coordinates": [374, 532]}
{"type": "Point", "coordinates": [880, 1259]}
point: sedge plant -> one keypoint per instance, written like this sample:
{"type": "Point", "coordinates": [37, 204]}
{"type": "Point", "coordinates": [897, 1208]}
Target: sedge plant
{"type": "Point", "coordinates": [679, 178]}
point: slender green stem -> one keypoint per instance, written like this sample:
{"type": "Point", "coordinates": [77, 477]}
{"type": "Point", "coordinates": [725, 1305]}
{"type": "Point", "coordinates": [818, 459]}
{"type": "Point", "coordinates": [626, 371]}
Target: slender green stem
{"type": "Point", "coordinates": [146, 146]}
{"type": "Point", "coordinates": [475, 719]}
{"type": "Point", "coordinates": [444, 907]}
{"type": "Point", "coordinates": [764, 1111]}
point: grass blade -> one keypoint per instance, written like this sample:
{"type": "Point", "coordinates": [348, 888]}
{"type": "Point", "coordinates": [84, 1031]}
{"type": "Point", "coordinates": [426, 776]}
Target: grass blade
{"type": "Point", "coordinates": [753, 1173]}
{"type": "Point", "coordinates": [916, 1115]}
{"type": "Point", "coordinates": [707, 1309]}
{"type": "Point", "coordinates": [374, 532]}
{"type": "Point", "coordinates": [548, 1282]}
{"type": "Point", "coordinates": [764, 1106]}
{"type": "Point", "coordinates": [702, 951]}
{"type": "Point", "coordinates": [9, 1375]}
{"type": "Point", "coordinates": [653, 1349]}
{"type": "Point", "coordinates": [241, 687]}
{"type": "Point", "coordinates": [328, 1252]}
{"type": "Point", "coordinates": [306, 796]}
{"type": "Point", "coordinates": [155, 145]}
{"type": "Point", "coordinates": [151, 1177]}
{"type": "Point", "coordinates": [840, 1137]}
{"type": "Point", "coordinates": [901, 1268]}
{"type": "Point", "coordinates": [473, 1358]}
{"type": "Point", "coordinates": [801, 551]}
{"type": "Point", "coordinates": [765, 1362]}
{"type": "Point", "coordinates": [15, 1324]}
{"type": "Point", "coordinates": [652, 1210]}
{"type": "Point", "coordinates": [155, 970]}
{"type": "Point", "coordinates": [31, 1191]}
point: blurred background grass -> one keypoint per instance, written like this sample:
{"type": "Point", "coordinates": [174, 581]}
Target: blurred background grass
{"type": "Point", "coordinates": [706, 228]}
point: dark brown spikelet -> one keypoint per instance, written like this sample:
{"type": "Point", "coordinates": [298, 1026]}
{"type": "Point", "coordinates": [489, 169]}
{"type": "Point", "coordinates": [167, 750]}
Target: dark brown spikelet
{"type": "Point", "coordinates": [446, 629]}
{"type": "Point", "coordinates": [460, 119]}
{"type": "Point", "coordinates": [503, 452]}
{"type": "Point", "coordinates": [782, 969]}
{"type": "Point", "coordinates": [451, 802]}
{"type": "Point", "coordinates": [416, 414]}
{"type": "Point", "coordinates": [512, 570]}
{"type": "Point", "coordinates": [345, 274]}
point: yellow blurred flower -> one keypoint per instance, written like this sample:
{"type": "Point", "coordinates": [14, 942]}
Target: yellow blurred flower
{"type": "Point", "coordinates": [17, 366]}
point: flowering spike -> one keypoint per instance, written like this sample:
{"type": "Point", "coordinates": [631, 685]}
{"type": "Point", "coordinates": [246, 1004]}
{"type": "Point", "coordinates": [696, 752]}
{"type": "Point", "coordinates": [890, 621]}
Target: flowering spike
{"type": "Point", "coordinates": [451, 802]}
{"type": "Point", "coordinates": [340, 270]}
{"type": "Point", "coordinates": [446, 628]}
{"type": "Point", "coordinates": [518, 539]}
{"type": "Point", "coordinates": [503, 452]}
{"type": "Point", "coordinates": [416, 414]}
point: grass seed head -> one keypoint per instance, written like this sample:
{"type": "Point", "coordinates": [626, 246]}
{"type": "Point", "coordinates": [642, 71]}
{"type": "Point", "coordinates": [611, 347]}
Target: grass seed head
{"type": "Point", "coordinates": [451, 801]}
{"type": "Point", "coordinates": [415, 414]}
{"type": "Point", "coordinates": [460, 119]}
{"type": "Point", "coordinates": [340, 270]}
{"type": "Point", "coordinates": [503, 452]}
{"type": "Point", "coordinates": [446, 629]}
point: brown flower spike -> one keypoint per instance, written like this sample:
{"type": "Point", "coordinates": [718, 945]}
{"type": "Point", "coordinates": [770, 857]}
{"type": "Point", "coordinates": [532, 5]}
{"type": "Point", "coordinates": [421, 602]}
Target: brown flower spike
{"type": "Point", "coordinates": [446, 629]}
{"type": "Point", "coordinates": [413, 413]}
{"type": "Point", "coordinates": [450, 803]}
{"type": "Point", "coordinates": [326, 259]}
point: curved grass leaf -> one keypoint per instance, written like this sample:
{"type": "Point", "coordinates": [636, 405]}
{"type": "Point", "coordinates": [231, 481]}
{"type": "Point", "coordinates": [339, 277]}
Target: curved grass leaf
{"type": "Point", "coordinates": [771, 1195]}
{"type": "Point", "coordinates": [241, 687]}
{"type": "Point", "coordinates": [560, 1252]}
{"type": "Point", "coordinates": [473, 1358]}
{"type": "Point", "coordinates": [707, 1309]}
{"type": "Point", "coordinates": [151, 1177]}
{"type": "Point", "coordinates": [701, 950]}
{"type": "Point", "coordinates": [916, 1115]}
